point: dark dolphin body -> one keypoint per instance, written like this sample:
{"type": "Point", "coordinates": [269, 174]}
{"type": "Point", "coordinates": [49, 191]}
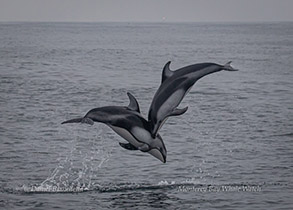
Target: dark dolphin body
{"type": "Point", "coordinates": [175, 85]}
{"type": "Point", "coordinates": [129, 124]}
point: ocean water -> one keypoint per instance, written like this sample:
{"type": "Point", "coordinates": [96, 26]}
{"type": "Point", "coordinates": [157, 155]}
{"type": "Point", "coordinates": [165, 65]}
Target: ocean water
{"type": "Point", "coordinates": [233, 149]}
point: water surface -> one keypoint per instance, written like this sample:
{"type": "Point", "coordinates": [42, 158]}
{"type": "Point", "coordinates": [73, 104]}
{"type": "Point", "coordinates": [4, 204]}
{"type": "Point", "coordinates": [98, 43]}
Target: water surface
{"type": "Point", "coordinates": [233, 149]}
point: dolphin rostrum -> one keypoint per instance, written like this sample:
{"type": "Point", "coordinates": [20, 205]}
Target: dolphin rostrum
{"type": "Point", "coordinates": [128, 123]}
{"type": "Point", "coordinates": [174, 86]}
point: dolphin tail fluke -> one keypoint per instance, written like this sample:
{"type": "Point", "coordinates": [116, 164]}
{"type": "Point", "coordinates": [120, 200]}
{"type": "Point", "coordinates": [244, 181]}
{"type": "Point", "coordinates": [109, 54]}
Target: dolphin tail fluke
{"type": "Point", "coordinates": [228, 67]}
{"type": "Point", "coordinates": [80, 120]}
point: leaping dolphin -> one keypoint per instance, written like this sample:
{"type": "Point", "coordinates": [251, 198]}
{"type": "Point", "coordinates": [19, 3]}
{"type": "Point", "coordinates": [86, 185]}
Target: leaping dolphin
{"type": "Point", "coordinates": [174, 86]}
{"type": "Point", "coordinates": [130, 125]}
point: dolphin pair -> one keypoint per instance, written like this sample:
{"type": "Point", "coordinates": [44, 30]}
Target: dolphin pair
{"type": "Point", "coordinates": [129, 123]}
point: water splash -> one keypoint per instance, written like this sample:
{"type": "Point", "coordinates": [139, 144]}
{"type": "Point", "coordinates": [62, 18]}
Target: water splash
{"type": "Point", "coordinates": [78, 170]}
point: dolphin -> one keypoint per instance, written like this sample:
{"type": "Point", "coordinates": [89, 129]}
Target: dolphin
{"type": "Point", "coordinates": [174, 86]}
{"type": "Point", "coordinates": [128, 123]}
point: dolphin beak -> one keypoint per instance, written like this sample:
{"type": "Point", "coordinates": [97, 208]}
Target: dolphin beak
{"type": "Point", "coordinates": [164, 158]}
{"type": "Point", "coordinates": [164, 155]}
{"type": "Point", "coordinates": [158, 154]}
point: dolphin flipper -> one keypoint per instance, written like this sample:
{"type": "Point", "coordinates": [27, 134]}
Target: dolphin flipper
{"type": "Point", "coordinates": [177, 112]}
{"type": "Point", "coordinates": [128, 146]}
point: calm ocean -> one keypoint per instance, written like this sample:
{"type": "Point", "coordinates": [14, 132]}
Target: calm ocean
{"type": "Point", "coordinates": [233, 149]}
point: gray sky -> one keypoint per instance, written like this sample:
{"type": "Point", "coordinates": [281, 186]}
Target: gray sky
{"type": "Point", "coordinates": [146, 10]}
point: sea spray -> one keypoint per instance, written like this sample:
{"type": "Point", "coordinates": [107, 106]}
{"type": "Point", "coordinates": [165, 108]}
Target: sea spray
{"type": "Point", "coordinates": [77, 171]}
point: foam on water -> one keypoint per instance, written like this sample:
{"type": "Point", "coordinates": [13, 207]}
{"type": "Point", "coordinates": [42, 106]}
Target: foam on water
{"type": "Point", "coordinates": [181, 186]}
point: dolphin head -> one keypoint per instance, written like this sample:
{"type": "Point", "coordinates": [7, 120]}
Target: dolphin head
{"type": "Point", "coordinates": [158, 149]}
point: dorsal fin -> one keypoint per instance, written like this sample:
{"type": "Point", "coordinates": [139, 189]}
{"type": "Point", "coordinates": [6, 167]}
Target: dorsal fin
{"type": "Point", "coordinates": [133, 105]}
{"type": "Point", "coordinates": [166, 71]}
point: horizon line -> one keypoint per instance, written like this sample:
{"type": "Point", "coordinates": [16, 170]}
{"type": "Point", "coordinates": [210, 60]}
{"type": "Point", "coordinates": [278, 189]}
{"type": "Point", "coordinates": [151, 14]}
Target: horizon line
{"type": "Point", "coordinates": [110, 21]}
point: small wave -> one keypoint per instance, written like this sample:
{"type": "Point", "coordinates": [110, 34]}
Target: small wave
{"type": "Point", "coordinates": [51, 189]}
{"type": "Point", "coordinates": [122, 187]}
{"type": "Point", "coordinates": [104, 188]}
{"type": "Point", "coordinates": [181, 186]}
{"type": "Point", "coordinates": [282, 135]}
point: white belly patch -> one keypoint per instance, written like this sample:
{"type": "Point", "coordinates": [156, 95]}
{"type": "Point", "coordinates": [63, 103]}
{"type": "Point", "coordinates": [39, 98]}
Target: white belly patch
{"type": "Point", "coordinates": [170, 104]}
{"type": "Point", "coordinates": [126, 135]}
{"type": "Point", "coordinates": [142, 134]}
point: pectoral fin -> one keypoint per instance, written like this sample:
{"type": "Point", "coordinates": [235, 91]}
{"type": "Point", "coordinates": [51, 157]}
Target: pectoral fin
{"type": "Point", "coordinates": [177, 112]}
{"type": "Point", "coordinates": [128, 146]}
